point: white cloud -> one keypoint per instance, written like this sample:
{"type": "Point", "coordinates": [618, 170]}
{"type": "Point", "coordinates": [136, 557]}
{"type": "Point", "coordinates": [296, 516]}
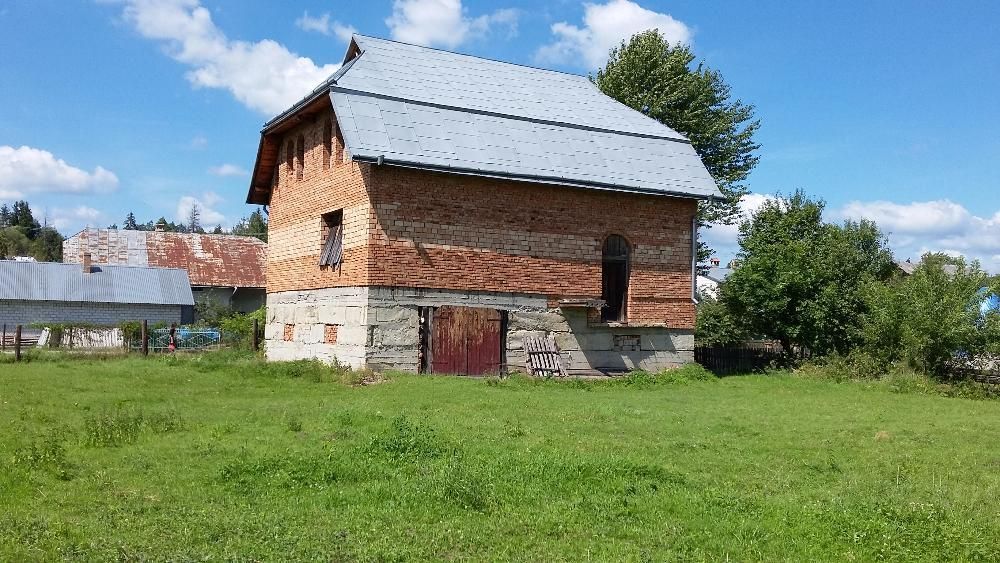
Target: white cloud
{"type": "Point", "coordinates": [28, 170]}
{"type": "Point", "coordinates": [919, 217]}
{"type": "Point", "coordinates": [263, 75]}
{"type": "Point", "coordinates": [723, 238]}
{"type": "Point", "coordinates": [207, 204]}
{"type": "Point", "coordinates": [227, 170]}
{"type": "Point", "coordinates": [932, 226]}
{"type": "Point", "coordinates": [71, 220]}
{"type": "Point", "coordinates": [605, 26]}
{"type": "Point", "coordinates": [913, 229]}
{"type": "Point", "coordinates": [198, 142]}
{"type": "Point", "coordinates": [323, 25]}
{"type": "Point", "coordinates": [444, 23]}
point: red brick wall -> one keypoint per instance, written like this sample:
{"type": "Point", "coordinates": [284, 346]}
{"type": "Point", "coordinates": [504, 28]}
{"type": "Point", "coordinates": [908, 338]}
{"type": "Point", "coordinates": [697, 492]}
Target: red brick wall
{"type": "Point", "coordinates": [295, 227]}
{"type": "Point", "coordinates": [413, 228]}
{"type": "Point", "coordinates": [463, 232]}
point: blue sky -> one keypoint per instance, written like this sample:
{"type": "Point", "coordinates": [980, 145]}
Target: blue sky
{"type": "Point", "coordinates": [886, 110]}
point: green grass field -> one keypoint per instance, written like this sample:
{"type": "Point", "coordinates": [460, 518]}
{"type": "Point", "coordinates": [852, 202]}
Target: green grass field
{"type": "Point", "coordinates": [222, 457]}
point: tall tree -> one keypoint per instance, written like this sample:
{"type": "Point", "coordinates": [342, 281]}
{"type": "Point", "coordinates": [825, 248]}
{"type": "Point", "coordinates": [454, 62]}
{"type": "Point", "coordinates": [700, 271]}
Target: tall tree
{"type": "Point", "coordinates": [129, 224]}
{"type": "Point", "coordinates": [801, 280]}
{"type": "Point", "coordinates": [5, 215]}
{"type": "Point", "coordinates": [194, 219]}
{"type": "Point", "coordinates": [253, 226]}
{"type": "Point", "coordinates": [650, 75]}
{"type": "Point", "coordinates": [22, 218]}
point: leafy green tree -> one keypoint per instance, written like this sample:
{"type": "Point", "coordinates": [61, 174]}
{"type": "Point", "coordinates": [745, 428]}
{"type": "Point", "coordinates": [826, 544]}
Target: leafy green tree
{"type": "Point", "coordinates": [801, 280]}
{"type": "Point", "coordinates": [47, 245]}
{"type": "Point", "coordinates": [715, 325]}
{"type": "Point", "coordinates": [22, 218]}
{"type": "Point", "coordinates": [253, 226]}
{"type": "Point", "coordinates": [930, 318]}
{"type": "Point", "coordinates": [13, 242]}
{"type": "Point", "coordinates": [650, 75]}
{"type": "Point", "coordinates": [5, 215]}
{"type": "Point", "coordinates": [218, 230]}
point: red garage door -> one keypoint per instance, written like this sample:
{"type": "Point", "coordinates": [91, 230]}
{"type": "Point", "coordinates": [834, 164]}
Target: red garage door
{"type": "Point", "coordinates": [465, 340]}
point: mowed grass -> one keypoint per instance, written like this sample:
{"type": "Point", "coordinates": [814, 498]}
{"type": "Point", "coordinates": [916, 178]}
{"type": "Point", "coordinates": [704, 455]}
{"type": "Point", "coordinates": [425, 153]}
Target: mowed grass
{"type": "Point", "coordinates": [223, 457]}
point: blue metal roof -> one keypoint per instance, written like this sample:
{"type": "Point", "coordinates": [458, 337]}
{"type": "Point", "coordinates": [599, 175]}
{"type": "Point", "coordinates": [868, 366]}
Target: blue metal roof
{"type": "Point", "coordinates": [50, 281]}
{"type": "Point", "coordinates": [414, 106]}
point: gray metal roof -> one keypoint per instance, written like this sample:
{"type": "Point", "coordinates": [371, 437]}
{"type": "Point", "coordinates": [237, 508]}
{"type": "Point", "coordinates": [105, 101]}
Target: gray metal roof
{"type": "Point", "coordinates": [426, 108]}
{"type": "Point", "coordinates": [50, 281]}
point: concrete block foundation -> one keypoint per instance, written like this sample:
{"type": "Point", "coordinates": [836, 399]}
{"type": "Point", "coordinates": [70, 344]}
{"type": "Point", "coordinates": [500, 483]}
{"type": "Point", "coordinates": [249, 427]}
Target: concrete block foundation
{"type": "Point", "coordinates": [379, 328]}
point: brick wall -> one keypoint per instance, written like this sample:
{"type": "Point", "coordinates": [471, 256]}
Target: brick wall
{"type": "Point", "coordinates": [447, 231]}
{"type": "Point", "coordinates": [294, 224]}
{"type": "Point", "coordinates": [14, 312]}
{"type": "Point", "coordinates": [462, 232]}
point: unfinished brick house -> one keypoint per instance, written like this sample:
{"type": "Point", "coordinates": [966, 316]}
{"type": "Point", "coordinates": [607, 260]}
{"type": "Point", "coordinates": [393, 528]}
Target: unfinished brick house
{"type": "Point", "coordinates": [429, 210]}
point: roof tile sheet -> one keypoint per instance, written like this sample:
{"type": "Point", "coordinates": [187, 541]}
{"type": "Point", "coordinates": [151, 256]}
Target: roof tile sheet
{"type": "Point", "coordinates": [423, 107]}
{"type": "Point", "coordinates": [49, 281]}
{"type": "Point", "coordinates": [210, 260]}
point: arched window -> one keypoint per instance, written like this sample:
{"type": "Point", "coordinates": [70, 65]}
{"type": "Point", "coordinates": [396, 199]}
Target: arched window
{"type": "Point", "coordinates": [327, 143]}
{"type": "Point", "coordinates": [300, 157]}
{"type": "Point", "coordinates": [614, 281]}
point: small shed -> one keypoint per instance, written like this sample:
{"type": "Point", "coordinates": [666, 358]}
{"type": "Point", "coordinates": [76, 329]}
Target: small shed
{"type": "Point", "coordinates": [103, 295]}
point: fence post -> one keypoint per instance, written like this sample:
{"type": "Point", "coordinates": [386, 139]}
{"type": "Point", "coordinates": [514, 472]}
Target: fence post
{"type": "Point", "coordinates": [17, 344]}
{"type": "Point", "coordinates": [145, 339]}
{"type": "Point", "coordinates": [255, 341]}
{"type": "Point", "coordinates": [3, 339]}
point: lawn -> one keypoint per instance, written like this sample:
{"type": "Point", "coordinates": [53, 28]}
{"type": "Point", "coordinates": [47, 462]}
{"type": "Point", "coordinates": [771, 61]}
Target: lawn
{"type": "Point", "coordinates": [223, 457]}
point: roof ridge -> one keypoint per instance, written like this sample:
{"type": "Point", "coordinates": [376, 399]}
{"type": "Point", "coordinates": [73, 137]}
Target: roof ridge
{"type": "Point", "coordinates": [552, 122]}
{"type": "Point", "coordinates": [573, 74]}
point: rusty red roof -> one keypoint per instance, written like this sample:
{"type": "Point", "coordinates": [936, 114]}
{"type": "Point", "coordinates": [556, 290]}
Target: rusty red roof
{"type": "Point", "coordinates": [210, 260]}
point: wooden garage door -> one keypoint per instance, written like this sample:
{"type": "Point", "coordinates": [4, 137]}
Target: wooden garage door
{"type": "Point", "coordinates": [465, 340]}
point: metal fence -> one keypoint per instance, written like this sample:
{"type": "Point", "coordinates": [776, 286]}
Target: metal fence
{"type": "Point", "coordinates": [187, 339]}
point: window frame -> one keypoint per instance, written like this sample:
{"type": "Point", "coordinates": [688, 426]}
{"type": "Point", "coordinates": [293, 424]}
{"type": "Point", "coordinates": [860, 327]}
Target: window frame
{"type": "Point", "coordinates": [622, 261]}
{"type": "Point", "coordinates": [331, 253]}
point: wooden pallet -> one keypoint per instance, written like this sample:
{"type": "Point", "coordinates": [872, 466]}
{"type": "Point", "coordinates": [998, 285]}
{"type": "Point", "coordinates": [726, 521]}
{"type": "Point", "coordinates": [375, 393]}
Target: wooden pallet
{"type": "Point", "coordinates": [543, 357]}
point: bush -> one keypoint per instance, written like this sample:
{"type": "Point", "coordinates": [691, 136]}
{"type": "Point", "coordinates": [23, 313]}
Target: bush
{"type": "Point", "coordinates": [238, 327]}
{"type": "Point", "coordinates": [931, 319]}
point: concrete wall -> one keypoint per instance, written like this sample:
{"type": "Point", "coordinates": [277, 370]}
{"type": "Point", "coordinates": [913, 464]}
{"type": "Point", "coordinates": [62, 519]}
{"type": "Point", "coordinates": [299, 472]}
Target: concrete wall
{"type": "Point", "coordinates": [379, 327]}
{"type": "Point", "coordinates": [308, 312]}
{"type": "Point", "coordinates": [14, 312]}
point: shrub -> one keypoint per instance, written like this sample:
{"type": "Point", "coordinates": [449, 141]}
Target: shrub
{"type": "Point", "coordinates": [238, 327]}
{"type": "Point", "coordinates": [930, 319]}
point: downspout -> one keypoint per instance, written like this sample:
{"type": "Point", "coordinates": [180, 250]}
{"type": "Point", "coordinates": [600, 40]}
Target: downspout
{"type": "Point", "coordinates": [694, 258]}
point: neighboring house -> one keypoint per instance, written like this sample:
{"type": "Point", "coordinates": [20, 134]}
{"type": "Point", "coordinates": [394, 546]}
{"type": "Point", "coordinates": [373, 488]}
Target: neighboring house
{"type": "Point", "coordinates": [709, 282]}
{"type": "Point", "coordinates": [49, 292]}
{"type": "Point", "coordinates": [906, 268]}
{"type": "Point", "coordinates": [429, 210]}
{"type": "Point", "coordinates": [226, 269]}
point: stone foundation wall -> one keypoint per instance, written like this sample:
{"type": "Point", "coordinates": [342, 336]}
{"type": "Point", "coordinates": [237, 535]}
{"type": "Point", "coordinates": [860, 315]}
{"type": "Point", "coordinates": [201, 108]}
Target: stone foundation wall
{"type": "Point", "coordinates": [379, 327]}
{"type": "Point", "coordinates": [308, 312]}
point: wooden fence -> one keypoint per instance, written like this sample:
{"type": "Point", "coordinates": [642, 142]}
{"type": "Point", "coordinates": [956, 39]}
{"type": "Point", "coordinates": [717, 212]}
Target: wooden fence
{"type": "Point", "coordinates": [730, 359]}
